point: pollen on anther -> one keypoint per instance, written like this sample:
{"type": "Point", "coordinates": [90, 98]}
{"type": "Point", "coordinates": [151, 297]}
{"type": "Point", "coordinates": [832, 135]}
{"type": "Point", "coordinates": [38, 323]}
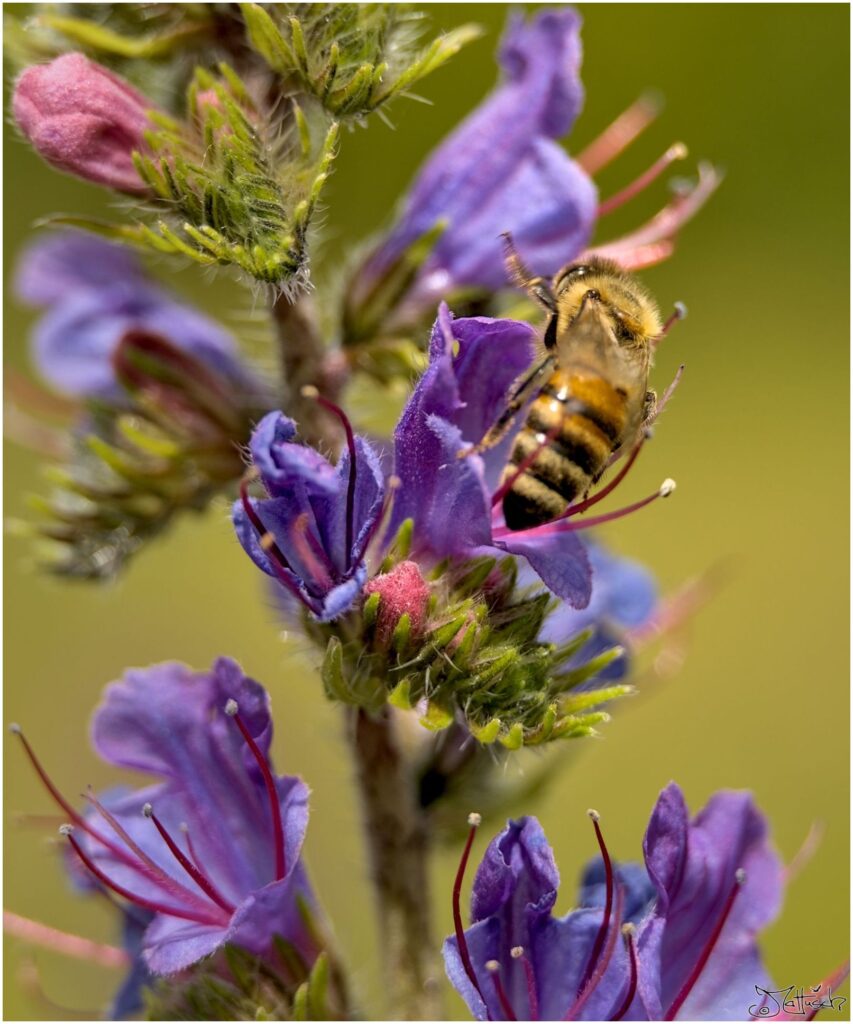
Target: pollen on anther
{"type": "Point", "coordinates": [492, 966]}
{"type": "Point", "coordinates": [517, 952]}
{"type": "Point", "coordinates": [593, 814]}
{"type": "Point", "coordinates": [231, 707]}
{"type": "Point", "coordinates": [267, 541]}
{"type": "Point", "coordinates": [309, 391]}
{"type": "Point", "coordinates": [628, 929]}
{"type": "Point", "coordinates": [147, 811]}
{"type": "Point", "coordinates": [667, 487]}
{"type": "Point", "coordinates": [66, 830]}
{"type": "Point", "coordinates": [740, 876]}
{"type": "Point", "coordinates": [680, 310]}
{"type": "Point", "coordinates": [15, 729]}
{"type": "Point", "coordinates": [474, 819]}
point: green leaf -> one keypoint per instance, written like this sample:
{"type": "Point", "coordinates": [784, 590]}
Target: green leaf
{"type": "Point", "coordinates": [98, 37]}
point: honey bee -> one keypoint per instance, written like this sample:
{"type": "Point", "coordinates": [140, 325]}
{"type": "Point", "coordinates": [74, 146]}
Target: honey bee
{"type": "Point", "coordinates": [589, 391]}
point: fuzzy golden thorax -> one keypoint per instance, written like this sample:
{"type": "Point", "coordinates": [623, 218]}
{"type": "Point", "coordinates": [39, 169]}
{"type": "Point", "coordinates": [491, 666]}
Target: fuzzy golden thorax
{"type": "Point", "coordinates": [627, 306]}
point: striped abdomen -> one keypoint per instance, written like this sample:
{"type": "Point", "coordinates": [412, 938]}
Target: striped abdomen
{"type": "Point", "coordinates": [577, 420]}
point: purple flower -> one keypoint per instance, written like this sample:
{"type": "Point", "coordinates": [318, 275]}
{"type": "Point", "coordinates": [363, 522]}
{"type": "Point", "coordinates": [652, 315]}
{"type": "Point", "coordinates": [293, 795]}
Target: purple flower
{"type": "Point", "coordinates": [83, 120]}
{"type": "Point", "coordinates": [94, 292]}
{"type": "Point", "coordinates": [312, 532]}
{"type": "Point", "coordinates": [687, 948]}
{"type": "Point", "coordinates": [502, 170]}
{"type": "Point", "coordinates": [211, 847]}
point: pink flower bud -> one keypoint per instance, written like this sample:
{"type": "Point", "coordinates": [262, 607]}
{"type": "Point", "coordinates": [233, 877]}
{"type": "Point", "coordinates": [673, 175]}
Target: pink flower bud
{"type": "Point", "coordinates": [403, 591]}
{"type": "Point", "coordinates": [83, 120]}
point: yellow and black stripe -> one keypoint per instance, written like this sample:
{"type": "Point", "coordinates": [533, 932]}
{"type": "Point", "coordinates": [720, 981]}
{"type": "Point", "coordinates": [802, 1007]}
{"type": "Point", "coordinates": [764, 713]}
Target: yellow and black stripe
{"type": "Point", "coordinates": [586, 417]}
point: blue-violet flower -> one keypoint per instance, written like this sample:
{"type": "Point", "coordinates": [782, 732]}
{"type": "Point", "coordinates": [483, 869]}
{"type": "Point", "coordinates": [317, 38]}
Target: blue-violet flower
{"type": "Point", "coordinates": [94, 292]}
{"type": "Point", "coordinates": [673, 940]}
{"type": "Point", "coordinates": [212, 848]}
{"type": "Point", "coordinates": [502, 170]}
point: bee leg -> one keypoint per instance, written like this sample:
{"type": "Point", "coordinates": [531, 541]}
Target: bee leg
{"type": "Point", "coordinates": [538, 288]}
{"type": "Point", "coordinates": [528, 385]}
{"type": "Point", "coordinates": [650, 405]}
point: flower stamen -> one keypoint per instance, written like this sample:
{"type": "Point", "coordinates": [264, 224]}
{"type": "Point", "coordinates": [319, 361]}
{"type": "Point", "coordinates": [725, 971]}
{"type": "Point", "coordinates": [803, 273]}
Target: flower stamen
{"type": "Point", "coordinates": [232, 709]}
{"type": "Point", "coordinates": [664, 225]}
{"type": "Point", "coordinates": [620, 134]}
{"type": "Point", "coordinates": [266, 540]}
{"type": "Point", "coordinates": [393, 484]}
{"type": "Point", "coordinates": [195, 873]}
{"type": "Point", "coordinates": [598, 945]}
{"type": "Point", "coordinates": [517, 953]}
{"type": "Point", "coordinates": [474, 821]}
{"type": "Point", "coordinates": [309, 391]}
{"type": "Point", "coordinates": [677, 151]}
{"type": "Point", "coordinates": [582, 506]}
{"type": "Point", "coordinates": [562, 525]}
{"type": "Point", "coordinates": [139, 901]}
{"type": "Point", "coordinates": [693, 977]}
{"type": "Point", "coordinates": [679, 312]}
{"type": "Point", "coordinates": [146, 866]}
{"type": "Point", "coordinates": [494, 969]}
{"type": "Point", "coordinates": [603, 960]}
{"type": "Point", "coordinates": [80, 822]}
{"type": "Point", "coordinates": [628, 935]}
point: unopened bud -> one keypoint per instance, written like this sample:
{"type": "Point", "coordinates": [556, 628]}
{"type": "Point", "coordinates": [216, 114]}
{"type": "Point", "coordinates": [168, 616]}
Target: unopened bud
{"type": "Point", "coordinates": [83, 120]}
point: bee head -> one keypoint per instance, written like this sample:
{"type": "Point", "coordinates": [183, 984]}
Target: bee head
{"type": "Point", "coordinates": [632, 313]}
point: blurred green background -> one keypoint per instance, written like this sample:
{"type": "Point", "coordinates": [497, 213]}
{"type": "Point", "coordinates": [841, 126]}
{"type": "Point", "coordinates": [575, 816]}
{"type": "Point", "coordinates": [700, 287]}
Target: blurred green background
{"type": "Point", "coordinates": [756, 439]}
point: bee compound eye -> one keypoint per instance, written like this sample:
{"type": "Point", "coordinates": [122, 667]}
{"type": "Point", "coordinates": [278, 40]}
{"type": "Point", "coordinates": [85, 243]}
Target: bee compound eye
{"type": "Point", "coordinates": [572, 274]}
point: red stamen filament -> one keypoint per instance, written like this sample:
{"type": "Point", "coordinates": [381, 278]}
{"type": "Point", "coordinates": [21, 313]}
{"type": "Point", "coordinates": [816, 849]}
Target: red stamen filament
{"type": "Point", "coordinates": [280, 565]}
{"type": "Point", "coordinates": [679, 313]}
{"type": "Point", "coordinates": [598, 945]}
{"type": "Point", "coordinates": [628, 935]}
{"type": "Point", "coordinates": [619, 135]}
{"type": "Point", "coordinates": [147, 866]}
{"type": "Point", "coordinates": [383, 518]}
{"type": "Point", "coordinates": [525, 464]}
{"type": "Point", "coordinates": [233, 711]}
{"type": "Point", "coordinates": [582, 506]}
{"type": "Point", "coordinates": [157, 908]}
{"type": "Point", "coordinates": [603, 961]}
{"type": "Point", "coordinates": [838, 977]}
{"type": "Point", "coordinates": [665, 224]}
{"type": "Point", "coordinates": [335, 410]}
{"type": "Point", "coordinates": [699, 966]}
{"type": "Point", "coordinates": [76, 946]}
{"type": "Point", "coordinates": [639, 257]}
{"type": "Point", "coordinates": [517, 953]}
{"type": "Point", "coordinates": [678, 151]}
{"type": "Point", "coordinates": [201, 880]}
{"type": "Point", "coordinates": [310, 551]}
{"type": "Point", "coordinates": [151, 873]}
{"type": "Point", "coordinates": [564, 526]}
{"type": "Point", "coordinates": [461, 942]}
{"type": "Point", "coordinates": [494, 969]}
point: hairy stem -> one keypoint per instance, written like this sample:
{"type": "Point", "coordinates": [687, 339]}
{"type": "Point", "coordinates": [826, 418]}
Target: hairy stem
{"type": "Point", "coordinates": [397, 841]}
{"type": "Point", "coordinates": [305, 360]}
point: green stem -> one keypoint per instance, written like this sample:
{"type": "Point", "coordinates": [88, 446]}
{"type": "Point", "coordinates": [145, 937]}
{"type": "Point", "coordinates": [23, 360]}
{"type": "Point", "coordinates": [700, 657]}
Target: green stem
{"type": "Point", "coordinates": [304, 361]}
{"type": "Point", "coordinates": [397, 840]}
